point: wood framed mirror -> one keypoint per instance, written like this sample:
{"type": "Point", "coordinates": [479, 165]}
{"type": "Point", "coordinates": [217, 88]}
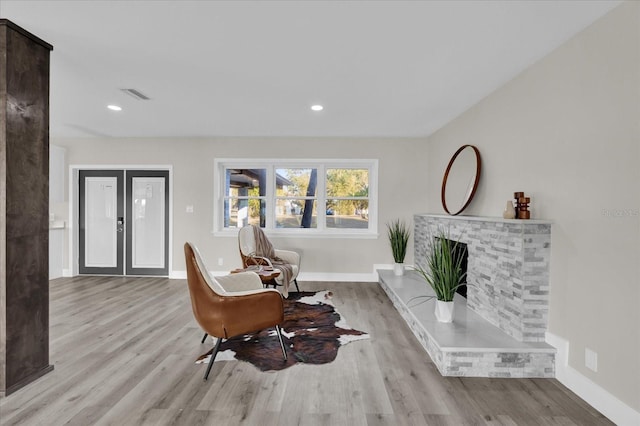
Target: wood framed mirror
{"type": "Point", "coordinates": [461, 179]}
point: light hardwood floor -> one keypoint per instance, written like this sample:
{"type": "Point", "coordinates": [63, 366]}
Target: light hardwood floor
{"type": "Point", "coordinates": [124, 352]}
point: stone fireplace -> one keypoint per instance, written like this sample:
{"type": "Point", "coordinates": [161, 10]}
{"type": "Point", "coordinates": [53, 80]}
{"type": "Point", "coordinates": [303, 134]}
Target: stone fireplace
{"type": "Point", "coordinates": [507, 271]}
{"type": "Point", "coordinates": [499, 330]}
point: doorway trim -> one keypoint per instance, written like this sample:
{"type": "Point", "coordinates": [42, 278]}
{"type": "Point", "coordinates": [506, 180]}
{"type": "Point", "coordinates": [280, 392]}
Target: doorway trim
{"type": "Point", "coordinates": [74, 196]}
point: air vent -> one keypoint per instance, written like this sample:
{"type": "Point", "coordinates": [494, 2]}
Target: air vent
{"type": "Point", "coordinates": [136, 94]}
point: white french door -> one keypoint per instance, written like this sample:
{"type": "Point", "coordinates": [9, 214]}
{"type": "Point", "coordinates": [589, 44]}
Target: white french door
{"type": "Point", "coordinates": [101, 221]}
{"type": "Point", "coordinates": [123, 222]}
{"type": "Point", "coordinates": [147, 235]}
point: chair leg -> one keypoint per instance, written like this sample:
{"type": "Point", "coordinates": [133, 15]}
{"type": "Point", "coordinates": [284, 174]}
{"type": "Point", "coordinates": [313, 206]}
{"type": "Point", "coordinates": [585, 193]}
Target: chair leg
{"type": "Point", "coordinates": [213, 357]}
{"type": "Point", "coordinates": [284, 351]}
{"type": "Point", "coordinates": [296, 283]}
{"type": "Point", "coordinates": [204, 337]}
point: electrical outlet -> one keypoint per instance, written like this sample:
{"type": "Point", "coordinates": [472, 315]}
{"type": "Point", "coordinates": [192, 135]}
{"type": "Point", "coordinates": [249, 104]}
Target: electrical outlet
{"type": "Point", "coordinates": [220, 261]}
{"type": "Point", "coordinates": [189, 209]}
{"type": "Point", "coordinates": [591, 359]}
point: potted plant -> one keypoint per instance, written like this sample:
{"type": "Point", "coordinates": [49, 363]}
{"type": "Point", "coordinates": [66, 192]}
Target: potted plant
{"type": "Point", "coordinates": [443, 273]}
{"type": "Point", "coordinates": [398, 233]}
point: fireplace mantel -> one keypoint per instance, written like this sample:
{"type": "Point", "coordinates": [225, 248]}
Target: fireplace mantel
{"type": "Point", "coordinates": [527, 222]}
{"type": "Point", "coordinates": [508, 268]}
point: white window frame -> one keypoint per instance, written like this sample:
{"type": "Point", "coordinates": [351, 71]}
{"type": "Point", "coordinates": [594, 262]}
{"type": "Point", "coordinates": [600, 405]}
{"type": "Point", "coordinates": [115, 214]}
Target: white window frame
{"type": "Point", "coordinates": [271, 164]}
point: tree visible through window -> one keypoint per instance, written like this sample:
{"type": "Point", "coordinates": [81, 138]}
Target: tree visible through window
{"type": "Point", "coordinates": [244, 201]}
{"type": "Point", "coordinates": [347, 198]}
{"type": "Point", "coordinates": [296, 203]}
{"type": "Point", "coordinates": [316, 196]}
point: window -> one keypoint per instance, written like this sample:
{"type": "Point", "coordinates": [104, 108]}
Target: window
{"type": "Point", "coordinates": [307, 197]}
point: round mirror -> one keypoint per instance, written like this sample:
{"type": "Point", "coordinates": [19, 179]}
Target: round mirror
{"type": "Point", "coordinates": [461, 179]}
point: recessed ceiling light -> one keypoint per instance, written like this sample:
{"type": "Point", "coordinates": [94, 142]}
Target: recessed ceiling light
{"type": "Point", "coordinates": [317, 107]}
{"type": "Point", "coordinates": [114, 107]}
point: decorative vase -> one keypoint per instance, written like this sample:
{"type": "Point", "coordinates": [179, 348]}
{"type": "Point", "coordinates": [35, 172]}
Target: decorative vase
{"type": "Point", "coordinates": [444, 311]}
{"type": "Point", "coordinates": [398, 269]}
{"type": "Point", "coordinates": [509, 211]}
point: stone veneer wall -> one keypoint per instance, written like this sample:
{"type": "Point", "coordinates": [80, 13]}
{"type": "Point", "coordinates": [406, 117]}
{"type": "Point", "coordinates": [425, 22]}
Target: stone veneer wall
{"type": "Point", "coordinates": [508, 268]}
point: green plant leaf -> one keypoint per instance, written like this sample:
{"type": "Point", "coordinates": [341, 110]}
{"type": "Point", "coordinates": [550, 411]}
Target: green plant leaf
{"type": "Point", "coordinates": [444, 271]}
{"type": "Point", "coordinates": [398, 233]}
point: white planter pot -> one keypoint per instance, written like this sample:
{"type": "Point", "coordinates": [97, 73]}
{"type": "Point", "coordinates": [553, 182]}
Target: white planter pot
{"type": "Point", "coordinates": [398, 269]}
{"type": "Point", "coordinates": [444, 311]}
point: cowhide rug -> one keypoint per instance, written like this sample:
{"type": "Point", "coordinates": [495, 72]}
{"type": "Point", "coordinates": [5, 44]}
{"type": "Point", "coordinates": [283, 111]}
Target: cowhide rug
{"type": "Point", "coordinates": [312, 332]}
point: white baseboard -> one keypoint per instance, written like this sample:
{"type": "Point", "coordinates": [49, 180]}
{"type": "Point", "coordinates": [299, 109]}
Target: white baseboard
{"type": "Point", "coordinates": [610, 406]}
{"type": "Point", "coordinates": [67, 273]}
{"type": "Point", "coordinates": [307, 276]}
{"type": "Point", "coordinates": [178, 275]}
{"type": "Point", "coordinates": [304, 276]}
{"type": "Point", "coordinates": [337, 276]}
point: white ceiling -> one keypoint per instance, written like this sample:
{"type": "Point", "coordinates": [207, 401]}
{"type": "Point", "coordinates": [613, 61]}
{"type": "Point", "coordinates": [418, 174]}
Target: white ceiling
{"type": "Point", "coordinates": [245, 68]}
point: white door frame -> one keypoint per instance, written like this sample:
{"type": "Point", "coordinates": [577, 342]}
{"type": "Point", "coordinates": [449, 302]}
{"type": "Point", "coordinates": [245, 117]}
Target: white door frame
{"type": "Point", "coordinates": [74, 195]}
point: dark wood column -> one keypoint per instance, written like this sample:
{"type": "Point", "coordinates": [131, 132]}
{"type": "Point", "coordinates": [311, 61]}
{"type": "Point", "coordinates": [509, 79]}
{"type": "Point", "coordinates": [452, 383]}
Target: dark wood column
{"type": "Point", "coordinates": [24, 207]}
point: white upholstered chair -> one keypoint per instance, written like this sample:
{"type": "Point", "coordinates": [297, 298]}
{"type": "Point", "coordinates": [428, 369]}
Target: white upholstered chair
{"type": "Point", "coordinates": [247, 244]}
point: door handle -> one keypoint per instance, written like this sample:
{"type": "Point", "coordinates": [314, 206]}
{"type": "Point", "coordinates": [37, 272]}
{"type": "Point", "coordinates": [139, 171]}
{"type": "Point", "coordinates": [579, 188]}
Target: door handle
{"type": "Point", "coordinates": [120, 224]}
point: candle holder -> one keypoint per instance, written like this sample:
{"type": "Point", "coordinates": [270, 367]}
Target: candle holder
{"type": "Point", "coordinates": [522, 205]}
{"type": "Point", "coordinates": [523, 208]}
{"type": "Point", "coordinates": [516, 196]}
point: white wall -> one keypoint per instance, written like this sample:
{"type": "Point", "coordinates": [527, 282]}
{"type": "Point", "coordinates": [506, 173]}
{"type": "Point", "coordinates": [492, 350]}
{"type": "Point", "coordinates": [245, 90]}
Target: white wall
{"type": "Point", "coordinates": [402, 179]}
{"type": "Point", "coordinates": [567, 133]}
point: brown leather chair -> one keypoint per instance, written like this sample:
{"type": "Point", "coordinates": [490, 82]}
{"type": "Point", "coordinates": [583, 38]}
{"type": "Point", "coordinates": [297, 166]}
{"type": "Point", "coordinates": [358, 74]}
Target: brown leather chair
{"type": "Point", "coordinates": [230, 306]}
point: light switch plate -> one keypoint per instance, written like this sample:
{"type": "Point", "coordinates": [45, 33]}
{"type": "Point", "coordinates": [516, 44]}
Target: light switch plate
{"type": "Point", "coordinates": [189, 209]}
